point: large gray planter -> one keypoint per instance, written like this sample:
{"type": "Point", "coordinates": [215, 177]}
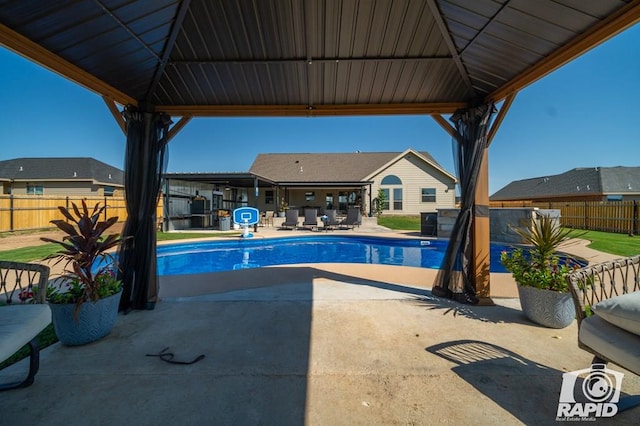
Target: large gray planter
{"type": "Point", "coordinates": [95, 320]}
{"type": "Point", "coordinates": [545, 307]}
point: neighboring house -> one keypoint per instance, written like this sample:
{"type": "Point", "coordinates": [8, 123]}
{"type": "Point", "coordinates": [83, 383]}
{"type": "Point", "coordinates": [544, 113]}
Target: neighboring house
{"type": "Point", "coordinates": [60, 176]}
{"type": "Point", "coordinates": [580, 184]}
{"type": "Point", "coordinates": [413, 182]}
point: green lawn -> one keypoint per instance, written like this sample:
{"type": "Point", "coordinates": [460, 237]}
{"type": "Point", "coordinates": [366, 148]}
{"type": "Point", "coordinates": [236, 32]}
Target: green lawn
{"type": "Point", "coordinates": [617, 244]}
{"type": "Point", "coordinates": [39, 252]}
{"type": "Point", "coordinates": [400, 223]}
{"type": "Point", "coordinates": [29, 254]}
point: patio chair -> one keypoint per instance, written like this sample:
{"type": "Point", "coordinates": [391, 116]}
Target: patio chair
{"type": "Point", "coordinates": [332, 220]}
{"type": "Point", "coordinates": [353, 219]}
{"type": "Point", "coordinates": [607, 300]}
{"type": "Point", "coordinates": [310, 219]}
{"type": "Point", "coordinates": [23, 313]}
{"type": "Point", "coordinates": [592, 287]}
{"type": "Point", "coordinates": [290, 219]}
{"type": "Point", "coordinates": [267, 218]}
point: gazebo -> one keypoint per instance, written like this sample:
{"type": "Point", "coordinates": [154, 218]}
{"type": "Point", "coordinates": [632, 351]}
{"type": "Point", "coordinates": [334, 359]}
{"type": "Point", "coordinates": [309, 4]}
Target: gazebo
{"type": "Point", "coordinates": [156, 62]}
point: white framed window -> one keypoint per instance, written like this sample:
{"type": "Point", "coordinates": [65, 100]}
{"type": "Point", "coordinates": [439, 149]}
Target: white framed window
{"type": "Point", "coordinates": [428, 195]}
{"type": "Point", "coordinates": [397, 198]}
{"type": "Point", "coordinates": [35, 190]}
{"type": "Point", "coordinates": [392, 192]}
{"type": "Point", "coordinates": [391, 180]}
{"type": "Point", "coordinates": [386, 199]}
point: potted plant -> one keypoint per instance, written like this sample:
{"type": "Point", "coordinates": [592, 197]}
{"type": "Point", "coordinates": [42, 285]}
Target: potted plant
{"type": "Point", "coordinates": [540, 273]}
{"type": "Point", "coordinates": [84, 298]}
{"type": "Point", "coordinates": [283, 207]}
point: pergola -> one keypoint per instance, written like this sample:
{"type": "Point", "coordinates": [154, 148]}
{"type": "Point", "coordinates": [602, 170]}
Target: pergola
{"type": "Point", "coordinates": [155, 59]}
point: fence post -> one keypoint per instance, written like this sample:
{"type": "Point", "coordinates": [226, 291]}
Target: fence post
{"type": "Point", "coordinates": [635, 229]}
{"type": "Point", "coordinates": [586, 219]}
{"type": "Point", "coordinates": [11, 212]}
{"type": "Point", "coordinates": [105, 208]}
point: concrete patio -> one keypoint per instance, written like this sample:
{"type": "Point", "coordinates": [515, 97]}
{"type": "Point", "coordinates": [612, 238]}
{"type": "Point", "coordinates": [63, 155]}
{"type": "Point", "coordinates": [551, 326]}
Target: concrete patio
{"type": "Point", "coordinates": [310, 344]}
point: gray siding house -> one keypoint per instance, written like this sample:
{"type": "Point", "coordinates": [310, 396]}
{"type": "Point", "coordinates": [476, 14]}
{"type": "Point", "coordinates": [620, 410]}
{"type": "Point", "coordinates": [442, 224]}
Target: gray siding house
{"type": "Point", "coordinates": [60, 176]}
{"type": "Point", "coordinates": [579, 184]}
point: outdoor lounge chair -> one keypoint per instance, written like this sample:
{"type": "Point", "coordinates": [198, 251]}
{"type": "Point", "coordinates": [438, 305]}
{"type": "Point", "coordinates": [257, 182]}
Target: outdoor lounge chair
{"type": "Point", "coordinates": [290, 219]}
{"type": "Point", "coordinates": [332, 220]}
{"type": "Point", "coordinates": [607, 300]}
{"type": "Point", "coordinates": [310, 219]}
{"type": "Point", "coordinates": [591, 288]}
{"type": "Point", "coordinates": [353, 219]}
{"type": "Point", "coordinates": [23, 314]}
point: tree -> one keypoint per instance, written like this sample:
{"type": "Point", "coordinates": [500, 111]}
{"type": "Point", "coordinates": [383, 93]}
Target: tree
{"type": "Point", "coordinates": [379, 202]}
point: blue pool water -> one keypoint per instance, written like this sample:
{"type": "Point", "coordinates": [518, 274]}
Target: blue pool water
{"type": "Point", "coordinates": [216, 256]}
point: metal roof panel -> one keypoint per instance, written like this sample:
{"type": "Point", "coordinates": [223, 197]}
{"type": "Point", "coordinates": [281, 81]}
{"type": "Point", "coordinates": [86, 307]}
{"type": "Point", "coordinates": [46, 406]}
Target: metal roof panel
{"type": "Point", "coordinates": [257, 53]}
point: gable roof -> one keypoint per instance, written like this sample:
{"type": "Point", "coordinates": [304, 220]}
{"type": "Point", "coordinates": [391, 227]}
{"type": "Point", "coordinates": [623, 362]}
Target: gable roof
{"type": "Point", "coordinates": [575, 182]}
{"type": "Point", "coordinates": [61, 168]}
{"type": "Point", "coordinates": [423, 156]}
{"type": "Point", "coordinates": [324, 168]}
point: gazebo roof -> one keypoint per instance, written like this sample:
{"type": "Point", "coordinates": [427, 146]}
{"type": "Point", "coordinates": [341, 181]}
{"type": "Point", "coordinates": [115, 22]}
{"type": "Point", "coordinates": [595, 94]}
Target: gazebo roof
{"type": "Point", "coordinates": [314, 57]}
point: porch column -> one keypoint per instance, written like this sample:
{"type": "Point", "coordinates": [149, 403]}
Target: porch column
{"type": "Point", "coordinates": [464, 273]}
{"type": "Point", "coordinates": [145, 164]}
{"type": "Point", "coordinates": [481, 234]}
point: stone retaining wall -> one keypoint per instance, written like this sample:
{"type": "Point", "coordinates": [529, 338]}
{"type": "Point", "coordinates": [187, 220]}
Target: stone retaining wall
{"type": "Point", "coordinates": [500, 220]}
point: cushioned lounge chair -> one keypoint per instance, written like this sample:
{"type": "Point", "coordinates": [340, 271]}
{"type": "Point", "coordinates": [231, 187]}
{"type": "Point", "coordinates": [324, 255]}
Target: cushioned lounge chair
{"type": "Point", "coordinates": [353, 219]}
{"type": "Point", "coordinates": [591, 287]}
{"type": "Point", "coordinates": [23, 314]}
{"type": "Point", "coordinates": [290, 219]}
{"type": "Point", "coordinates": [332, 220]}
{"type": "Point", "coordinates": [310, 219]}
{"type": "Point", "coordinates": [607, 300]}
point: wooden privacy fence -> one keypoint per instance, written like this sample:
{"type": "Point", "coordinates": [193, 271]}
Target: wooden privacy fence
{"type": "Point", "coordinates": [27, 212]}
{"type": "Point", "coordinates": [608, 216]}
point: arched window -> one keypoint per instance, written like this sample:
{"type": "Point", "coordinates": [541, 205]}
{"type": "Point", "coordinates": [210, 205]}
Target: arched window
{"type": "Point", "coordinates": [396, 202]}
{"type": "Point", "coordinates": [391, 180]}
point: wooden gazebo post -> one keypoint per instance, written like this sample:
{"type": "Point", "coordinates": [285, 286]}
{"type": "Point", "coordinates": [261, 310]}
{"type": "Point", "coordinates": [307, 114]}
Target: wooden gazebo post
{"type": "Point", "coordinates": [481, 261]}
{"type": "Point", "coordinates": [479, 272]}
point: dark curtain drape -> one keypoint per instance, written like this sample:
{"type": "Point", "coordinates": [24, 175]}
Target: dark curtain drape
{"type": "Point", "coordinates": [145, 164]}
{"type": "Point", "coordinates": [454, 279]}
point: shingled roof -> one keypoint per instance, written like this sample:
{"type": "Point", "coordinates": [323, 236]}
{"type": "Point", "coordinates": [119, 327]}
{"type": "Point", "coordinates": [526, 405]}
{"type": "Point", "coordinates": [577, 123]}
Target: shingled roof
{"type": "Point", "coordinates": [61, 168]}
{"type": "Point", "coordinates": [326, 168]}
{"type": "Point", "coordinates": [575, 182]}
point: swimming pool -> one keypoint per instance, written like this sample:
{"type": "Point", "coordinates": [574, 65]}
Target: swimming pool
{"type": "Point", "coordinates": [215, 256]}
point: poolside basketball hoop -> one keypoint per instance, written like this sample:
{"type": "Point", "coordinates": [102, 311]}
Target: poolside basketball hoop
{"type": "Point", "coordinates": [245, 217]}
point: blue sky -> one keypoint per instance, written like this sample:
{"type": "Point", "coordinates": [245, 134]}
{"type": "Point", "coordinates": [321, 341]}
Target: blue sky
{"type": "Point", "coordinates": [583, 115]}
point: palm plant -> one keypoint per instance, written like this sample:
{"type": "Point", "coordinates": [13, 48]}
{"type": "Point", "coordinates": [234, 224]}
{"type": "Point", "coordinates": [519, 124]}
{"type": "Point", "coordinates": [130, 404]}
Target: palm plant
{"type": "Point", "coordinates": [540, 266]}
{"type": "Point", "coordinates": [544, 235]}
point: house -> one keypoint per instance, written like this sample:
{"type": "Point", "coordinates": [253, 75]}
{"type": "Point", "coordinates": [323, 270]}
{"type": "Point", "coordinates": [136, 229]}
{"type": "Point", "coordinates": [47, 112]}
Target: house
{"type": "Point", "coordinates": [579, 184]}
{"type": "Point", "coordinates": [60, 176]}
{"type": "Point", "coordinates": [413, 182]}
